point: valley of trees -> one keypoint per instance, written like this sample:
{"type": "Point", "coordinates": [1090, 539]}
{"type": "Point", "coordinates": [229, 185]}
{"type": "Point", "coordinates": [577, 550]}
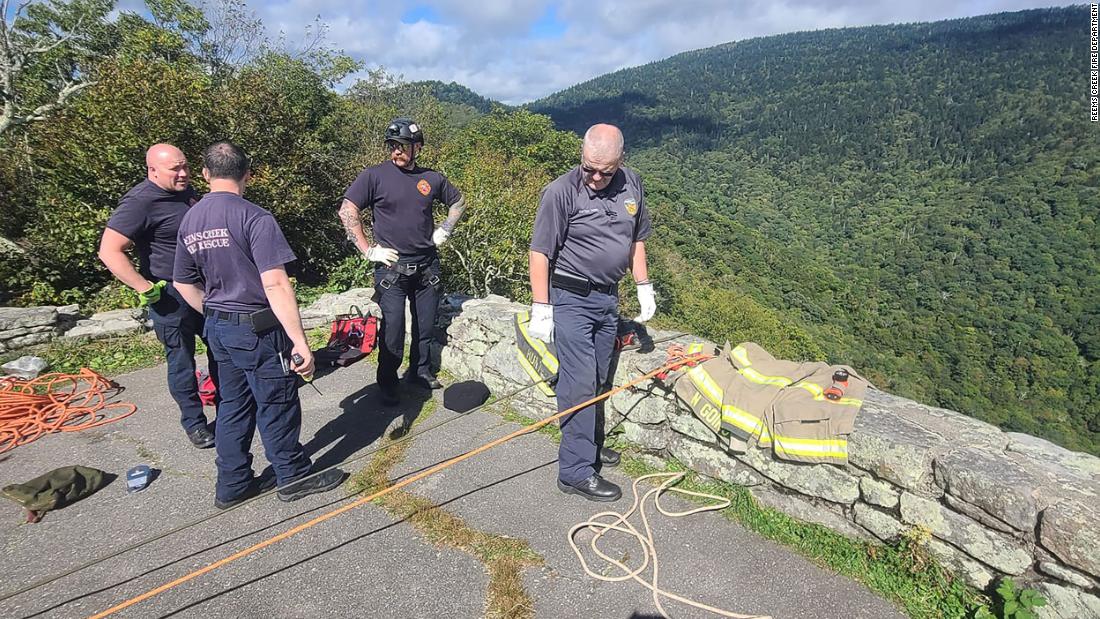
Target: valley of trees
{"type": "Point", "coordinates": [919, 201]}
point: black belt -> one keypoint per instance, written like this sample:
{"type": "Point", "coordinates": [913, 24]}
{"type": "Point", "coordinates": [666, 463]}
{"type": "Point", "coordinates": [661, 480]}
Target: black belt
{"type": "Point", "coordinates": [237, 318]}
{"type": "Point", "coordinates": [408, 268]}
{"type": "Point", "coordinates": [578, 284]}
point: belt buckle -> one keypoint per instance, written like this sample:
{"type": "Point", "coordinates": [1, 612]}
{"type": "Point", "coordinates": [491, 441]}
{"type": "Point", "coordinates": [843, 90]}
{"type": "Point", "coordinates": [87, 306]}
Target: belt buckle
{"type": "Point", "coordinates": [412, 268]}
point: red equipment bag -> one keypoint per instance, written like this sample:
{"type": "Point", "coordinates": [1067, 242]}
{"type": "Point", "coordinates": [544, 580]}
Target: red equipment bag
{"type": "Point", "coordinates": [354, 330]}
{"type": "Point", "coordinates": [353, 337]}
{"type": "Point", "coordinates": [207, 390]}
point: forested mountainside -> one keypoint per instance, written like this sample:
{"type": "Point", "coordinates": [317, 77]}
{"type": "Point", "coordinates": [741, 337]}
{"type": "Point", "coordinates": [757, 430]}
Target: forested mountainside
{"type": "Point", "coordinates": [453, 92]}
{"type": "Point", "coordinates": [917, 200]}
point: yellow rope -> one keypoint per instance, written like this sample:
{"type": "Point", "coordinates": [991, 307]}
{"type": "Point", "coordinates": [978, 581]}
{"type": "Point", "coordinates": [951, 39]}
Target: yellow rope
{"type": "Point", "coordinates": [620, 522]}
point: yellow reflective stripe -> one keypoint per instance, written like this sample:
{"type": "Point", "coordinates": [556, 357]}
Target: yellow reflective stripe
{"type": "Point", "coordinates": [533, 373]}
{"type": "Point", "coordinates": [829, 448]}
{"type": "Point", "coordinates": [744, 420]}
{"type": "Point", "coordinates": [741, 355]}
{"type": "Point", "coordinates": [816, 390]}
{"type": "Point", "coordinates": [819, 394]}
{"type": "Point", "coordinates": [706, 384]}
{"type": "Point", "coordinates": [762, 379]}
{"type": "Point", "coordinates": [540, 347]}
{"type": "Point", "coordinates": [694, 348]}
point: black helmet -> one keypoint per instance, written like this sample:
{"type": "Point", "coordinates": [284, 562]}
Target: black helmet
{"type": "Point", "coordinates": [405, 131]}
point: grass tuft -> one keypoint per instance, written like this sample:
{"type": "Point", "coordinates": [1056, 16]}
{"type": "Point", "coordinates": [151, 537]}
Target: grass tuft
{"type": "Point", "coordinates": [504, 558]}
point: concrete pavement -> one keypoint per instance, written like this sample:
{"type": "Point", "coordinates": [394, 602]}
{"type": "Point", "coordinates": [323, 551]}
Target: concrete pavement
{"type": "Point", "coordinates": [363, 563]}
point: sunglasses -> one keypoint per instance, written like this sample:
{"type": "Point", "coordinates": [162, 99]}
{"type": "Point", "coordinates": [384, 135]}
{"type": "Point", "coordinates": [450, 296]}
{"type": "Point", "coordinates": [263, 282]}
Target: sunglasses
{"type": "Point", "coordinates": [392, 146]}
{"type": "Point", "coordinates": [593, 171]}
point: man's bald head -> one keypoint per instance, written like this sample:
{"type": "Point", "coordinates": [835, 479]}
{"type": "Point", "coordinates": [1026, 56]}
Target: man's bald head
{"type": "Point", "coordinates": [603, 142]}
{"type": "Point", "coordinates": [601, 155]}
{"type": "Point", "coordinates": [167, 167]}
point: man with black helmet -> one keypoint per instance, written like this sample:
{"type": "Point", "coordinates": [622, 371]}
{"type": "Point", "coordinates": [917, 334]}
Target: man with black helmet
{"type": "Point", "coordinates": [399, 195]}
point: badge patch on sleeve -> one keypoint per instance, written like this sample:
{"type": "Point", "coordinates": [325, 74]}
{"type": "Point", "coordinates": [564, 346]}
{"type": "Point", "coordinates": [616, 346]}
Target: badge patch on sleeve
{"type": "Point", "coordinates": [631, 206]}
{"type": "Point", "coordinates": [423, 187]}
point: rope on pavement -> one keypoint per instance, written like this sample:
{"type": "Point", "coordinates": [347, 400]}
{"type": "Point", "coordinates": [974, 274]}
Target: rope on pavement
{"type": "Point", "coordinates": [401, 484]}
{"type": "Point", "coordinates": [30, 409]}
{"type": "Point", "coordinates": [620, 522]}
{"type": "Point", "coordinates": [357, 457]}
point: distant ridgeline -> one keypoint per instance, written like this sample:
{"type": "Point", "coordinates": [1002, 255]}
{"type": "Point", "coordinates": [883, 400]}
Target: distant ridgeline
{"type": "Point", "coordinates": [453, 92]}
{"type": "Point", "coordinates": [919, 201]}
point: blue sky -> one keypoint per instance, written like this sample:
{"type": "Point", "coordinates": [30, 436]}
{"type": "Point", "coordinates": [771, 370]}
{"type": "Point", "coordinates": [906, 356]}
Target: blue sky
{"type": "Point", "coordinates": [515, 51]}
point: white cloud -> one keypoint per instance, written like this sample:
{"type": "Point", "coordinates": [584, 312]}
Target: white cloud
{"type": "Point", "coordinates": [483, 44]}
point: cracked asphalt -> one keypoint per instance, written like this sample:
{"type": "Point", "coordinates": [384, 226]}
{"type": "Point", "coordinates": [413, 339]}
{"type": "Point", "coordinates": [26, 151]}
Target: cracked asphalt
{"type": "Point", "coordinates": [364, 563]}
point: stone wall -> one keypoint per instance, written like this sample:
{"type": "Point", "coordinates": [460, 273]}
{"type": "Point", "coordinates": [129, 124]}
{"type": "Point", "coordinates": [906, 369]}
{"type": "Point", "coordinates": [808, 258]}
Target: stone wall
{"type": "Point", "coordinates": [26, 326]}
{"type": "Point", "coordinates": [996, 503]}
{"type": "Point", "coordinates": [21, 327]}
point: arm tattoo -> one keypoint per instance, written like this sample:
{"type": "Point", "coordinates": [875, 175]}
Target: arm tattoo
{"type": "Point", "coordinates": [353, 223]}
{"type": "Point", "coordinates": [349, 215]}
{"type": "Point", "coordinates": [454, 214]}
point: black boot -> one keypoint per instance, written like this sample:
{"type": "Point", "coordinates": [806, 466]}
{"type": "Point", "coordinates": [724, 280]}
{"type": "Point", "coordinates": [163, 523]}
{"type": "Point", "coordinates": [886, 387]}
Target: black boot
{"type": "Point", "coordinates": [609, 457]}
{"type": "Point", "coordinates": [595, 488]}
{"type": "Point", "coordinates": [424, 382]}
{"type": "Point", "coordinates": [312, 485]}
{"type": "Point", "coordinates": [257, 486]}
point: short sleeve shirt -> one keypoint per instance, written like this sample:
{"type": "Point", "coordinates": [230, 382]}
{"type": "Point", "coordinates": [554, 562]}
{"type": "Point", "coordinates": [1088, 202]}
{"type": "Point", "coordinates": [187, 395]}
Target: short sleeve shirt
{"type": "Point", "coordinates": [588, 232]}
{"type": "Point", "coordinates": [225, 242]}
{"type": "Point", "coordinates": [400, 202]}
{"type": "Point", "coordinates": [150, 217]}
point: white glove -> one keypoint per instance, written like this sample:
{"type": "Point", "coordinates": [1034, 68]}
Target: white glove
{"type": "Point", "coordinates": [385, 255]}
{"type": "Point", "coordinates": [440, 236]}
{"type": "Point", "coordinates": [647, 301]}
{"type": "Point", "coordinates": [541, 326]}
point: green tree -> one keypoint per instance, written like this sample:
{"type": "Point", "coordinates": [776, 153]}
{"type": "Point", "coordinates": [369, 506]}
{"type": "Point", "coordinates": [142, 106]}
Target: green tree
{"type": "Point", "coordinates": [48, 52]}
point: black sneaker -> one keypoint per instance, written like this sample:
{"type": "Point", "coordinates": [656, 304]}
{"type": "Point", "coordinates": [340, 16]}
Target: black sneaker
{"type": "Point", "coordinates": [201, 438]}
{"type": "Point", "coordinates": [609, 457]}
{"type": "Point", "coordinates": [257, 486]}
{"type": "Point", "coordinates": [312, 485]}
{"type": "Point", "coordinates": [595, 488]}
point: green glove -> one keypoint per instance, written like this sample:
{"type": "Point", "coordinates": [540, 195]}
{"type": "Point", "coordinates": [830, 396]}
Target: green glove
{"type": "Point", "coordinates": [152, 295]}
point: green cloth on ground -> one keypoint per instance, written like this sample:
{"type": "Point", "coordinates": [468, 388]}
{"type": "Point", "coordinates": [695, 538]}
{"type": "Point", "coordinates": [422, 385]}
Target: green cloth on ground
{"type": "Point", "coordinates": [58, 488]}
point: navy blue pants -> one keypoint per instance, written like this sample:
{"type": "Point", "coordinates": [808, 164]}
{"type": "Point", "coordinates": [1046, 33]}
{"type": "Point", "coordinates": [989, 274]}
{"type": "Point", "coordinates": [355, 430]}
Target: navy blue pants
{"type": "Point", "coordinates": [177, 325]}
{"type": "Point", "coordinates": [425, 301]}
{"type": "Point", "coordinates": [255, 392]}
{"type": "Point", "coordinates": [584, 333]}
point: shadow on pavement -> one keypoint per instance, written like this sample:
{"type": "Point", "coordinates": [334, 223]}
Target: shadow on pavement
{"type": "Point", "coordinates": [363, 421]}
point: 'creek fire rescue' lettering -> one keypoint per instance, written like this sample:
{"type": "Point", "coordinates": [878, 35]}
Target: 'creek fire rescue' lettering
{"type": "Point", "coordinates": [207, 239]}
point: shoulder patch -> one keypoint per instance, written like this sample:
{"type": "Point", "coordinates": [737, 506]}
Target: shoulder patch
{"type": "Point", "coordinates": [423, 187]}
{"type": "Point", "coordinates": [631, 206]}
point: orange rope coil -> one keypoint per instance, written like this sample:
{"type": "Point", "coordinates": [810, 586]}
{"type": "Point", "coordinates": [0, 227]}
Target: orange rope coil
{"type": "Point", "coordinates": [56, 402]}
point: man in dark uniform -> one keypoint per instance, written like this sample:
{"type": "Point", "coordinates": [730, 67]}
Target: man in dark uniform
{"type": "Point", "coordinates": [399, 195]}
{"type": "Point", "coordinates": [231, 265]}
{"type": "Point", "coordinates": [147, 219]}
{"type": "Point", "coordinates": [590, 229]}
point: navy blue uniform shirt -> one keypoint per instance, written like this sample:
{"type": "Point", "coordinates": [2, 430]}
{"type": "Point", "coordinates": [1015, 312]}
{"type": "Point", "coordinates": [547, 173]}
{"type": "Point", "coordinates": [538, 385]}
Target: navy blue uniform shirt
{"type": "Point", "coordinates": [400, 202]}
{"type": "Point", "coordinates": [225, 242]}
{"type": "Point", "coordinates": [150, 217]}
{"type": "Point", "coordinates": [588, 232]}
